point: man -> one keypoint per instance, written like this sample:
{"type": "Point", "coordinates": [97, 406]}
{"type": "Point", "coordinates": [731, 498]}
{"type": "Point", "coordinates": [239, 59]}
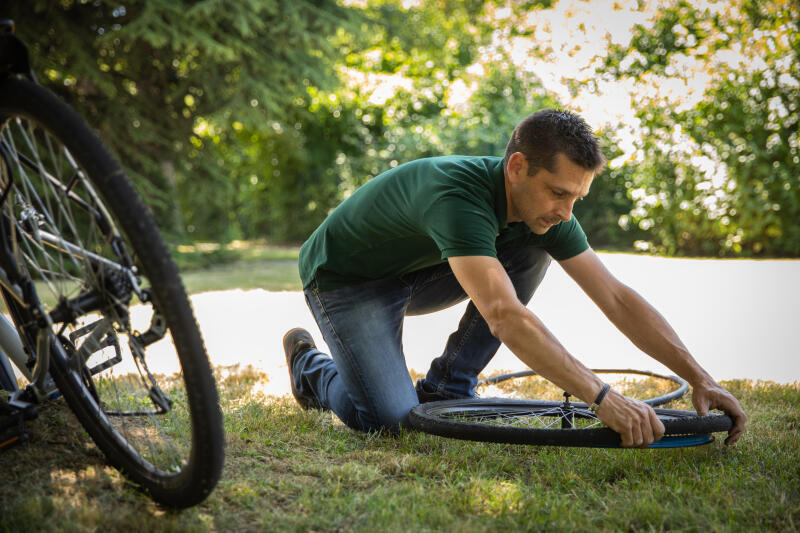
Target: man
{"type": "Point", "coordinates": [427, 234]}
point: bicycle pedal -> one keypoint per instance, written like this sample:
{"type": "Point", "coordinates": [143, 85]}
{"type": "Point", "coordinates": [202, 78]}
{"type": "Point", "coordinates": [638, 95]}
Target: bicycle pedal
{"type": "Point", "coordinates": [26, 409]}
{"type": "Point", "coordinates": [12, 438]}
{"type": "Point", "coordinates": [12, 425]}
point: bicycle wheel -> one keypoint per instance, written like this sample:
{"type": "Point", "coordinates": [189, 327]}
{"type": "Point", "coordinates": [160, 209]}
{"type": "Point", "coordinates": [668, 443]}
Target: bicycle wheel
{"type": "Point", "coordinates": [649, 387]}
{"type": "Point", "coordinates": [92, 284]}
{"type": "Point", "coordinates": [550, 423]}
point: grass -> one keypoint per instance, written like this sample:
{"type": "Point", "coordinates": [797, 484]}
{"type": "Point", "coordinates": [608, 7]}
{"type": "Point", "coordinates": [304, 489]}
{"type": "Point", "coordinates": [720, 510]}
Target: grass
{"type": "Point", "coordinates": [641, 387]}
{"type": "Point", "coordinates": [238, 265]}
{"type": "Point", "coordinates": [293, 470]}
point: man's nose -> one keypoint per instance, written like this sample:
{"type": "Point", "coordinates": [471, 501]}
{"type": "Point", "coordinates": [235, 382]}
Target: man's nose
{"type": "Point", "coordinates": [565, 210]}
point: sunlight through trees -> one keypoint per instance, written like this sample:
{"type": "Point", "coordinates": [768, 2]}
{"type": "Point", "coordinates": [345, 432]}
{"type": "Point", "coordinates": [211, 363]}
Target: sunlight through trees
{"type": "Point", "coordinates": [254, 119]}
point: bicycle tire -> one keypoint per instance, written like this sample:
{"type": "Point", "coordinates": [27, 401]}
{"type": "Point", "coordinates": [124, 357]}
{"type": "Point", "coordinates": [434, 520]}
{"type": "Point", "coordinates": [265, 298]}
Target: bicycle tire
{"type": "Point", "coordinates": [477, 419]}
{"type": "Point", "coordinates": [676, 394]}
{"type": "Point", "coordinates": [191, 460]}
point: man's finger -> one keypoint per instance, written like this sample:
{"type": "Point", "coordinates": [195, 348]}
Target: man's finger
{"type": "Point", "coordinates": [739, 420]}
{"type": "Point", "coordinates": [646, 425]}
{"type": "Point", "coordinates": [627, 436]}
{"type": "Point", "coordinates": [647, 434]}
{"type": "Point", "coordinates": [702, 407]}
{"type": "Point", "coordinates": [636, 434]}
{"type": "Point", "coordinates": [733, 436]}
{"type": "Point", "coordinates": [657, 425]}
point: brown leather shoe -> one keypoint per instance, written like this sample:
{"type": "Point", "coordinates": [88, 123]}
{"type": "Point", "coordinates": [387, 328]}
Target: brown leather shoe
{"type": "Point", "coordinates": [297, 341]}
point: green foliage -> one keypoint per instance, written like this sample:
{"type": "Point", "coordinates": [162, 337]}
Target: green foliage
{"type": "Point", "coordinates": [608, 204]}
{"type": "Point", "coordinates": [720, 177]}
{"type": "Point", "coordinates": [165, 81]}
{"type": "Point", "coordinates": [254, 119]}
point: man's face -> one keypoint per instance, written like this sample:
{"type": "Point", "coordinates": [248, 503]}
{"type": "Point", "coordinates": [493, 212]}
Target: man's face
{"type": "Point", "coordinates": [546, 198]}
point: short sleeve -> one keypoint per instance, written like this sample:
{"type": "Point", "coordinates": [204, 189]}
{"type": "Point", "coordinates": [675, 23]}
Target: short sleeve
{"type": "Point", "coordinates": [461, 227]}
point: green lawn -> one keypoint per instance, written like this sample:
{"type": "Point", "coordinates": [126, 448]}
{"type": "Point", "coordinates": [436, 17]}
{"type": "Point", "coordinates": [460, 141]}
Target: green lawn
{"type": "Point", "coordinates": [269, 274]}
{"type": "Point", "coordinates": [294, 470]}
{"type": "Point", "coordinates": [239, 265]}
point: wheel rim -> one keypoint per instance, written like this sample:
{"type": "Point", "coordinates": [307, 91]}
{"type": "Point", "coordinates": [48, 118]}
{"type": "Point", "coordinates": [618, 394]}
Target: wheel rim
{"type": "Point", "coordinates": [551, 423]}
{"type": "Point", "coordinates": [69, 244]}
{"type": "Point", "coordinates": [545, 417]}
{"type": "Point", "coordinates": [649, 387]}
{"type": "Point", "coordinates": [541, 415]}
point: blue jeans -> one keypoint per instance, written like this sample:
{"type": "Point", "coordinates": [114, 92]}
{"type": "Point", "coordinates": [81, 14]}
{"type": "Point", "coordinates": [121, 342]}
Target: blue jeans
{"type": "Point", "coordinates": [366, 381]}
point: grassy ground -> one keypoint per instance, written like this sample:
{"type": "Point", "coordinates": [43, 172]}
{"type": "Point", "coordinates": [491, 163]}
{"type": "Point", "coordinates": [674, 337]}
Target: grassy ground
{"type": "Point", "coordinates": [239, 265]}
{"type": "Point", "coordinates": [293, 470]}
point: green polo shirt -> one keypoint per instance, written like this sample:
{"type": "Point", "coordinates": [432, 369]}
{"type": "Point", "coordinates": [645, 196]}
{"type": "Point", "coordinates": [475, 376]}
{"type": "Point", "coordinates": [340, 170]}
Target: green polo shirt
{"type": "Point", "coordinates": [417, 215]}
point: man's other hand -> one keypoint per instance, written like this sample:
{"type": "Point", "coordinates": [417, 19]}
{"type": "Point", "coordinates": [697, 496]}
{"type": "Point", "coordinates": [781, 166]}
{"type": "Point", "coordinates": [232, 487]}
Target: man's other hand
{"type": "Point", "coordinates": [709, 395]}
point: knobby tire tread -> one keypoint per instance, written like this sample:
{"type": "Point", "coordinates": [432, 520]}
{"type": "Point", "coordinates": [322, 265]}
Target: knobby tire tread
{"type": "Point", "coordinates": [200, 475]}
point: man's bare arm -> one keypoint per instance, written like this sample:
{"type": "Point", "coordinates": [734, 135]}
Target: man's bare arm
{"type": "Point", "coordinates": [651, 333]}
{"type": "Point", "coordinates": [488, 286]}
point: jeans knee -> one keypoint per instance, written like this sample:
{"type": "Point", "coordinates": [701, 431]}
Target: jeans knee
{"type": "Point", "coordinates": [388, 420]}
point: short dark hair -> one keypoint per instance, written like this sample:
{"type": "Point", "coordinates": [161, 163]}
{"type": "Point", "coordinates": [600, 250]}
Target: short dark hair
{"type": "Point", "coordinates": [546, 133]}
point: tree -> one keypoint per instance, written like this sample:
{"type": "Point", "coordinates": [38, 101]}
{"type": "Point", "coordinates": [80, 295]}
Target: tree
{"type": "Point", "coordinates": [164, 81]}
{"type": "Point", "coordinates": [715, 173]}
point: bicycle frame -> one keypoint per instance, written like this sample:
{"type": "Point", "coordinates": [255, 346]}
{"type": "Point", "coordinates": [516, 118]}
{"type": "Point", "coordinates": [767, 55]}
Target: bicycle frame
{"type": "Point", "coordinates": [14, 60]}
{"type": "Point", "coordinates": [21, 296]}
{"type": "Point", "coordinates": [11, 348]}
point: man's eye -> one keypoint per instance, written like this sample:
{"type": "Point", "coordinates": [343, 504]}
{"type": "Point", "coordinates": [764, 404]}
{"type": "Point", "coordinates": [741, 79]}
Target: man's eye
{"type": "Point", "coordinates": [558, 194]}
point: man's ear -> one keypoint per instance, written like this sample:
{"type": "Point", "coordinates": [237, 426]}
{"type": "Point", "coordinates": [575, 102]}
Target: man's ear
{"type": "Point", "coordinates": [517, 167]}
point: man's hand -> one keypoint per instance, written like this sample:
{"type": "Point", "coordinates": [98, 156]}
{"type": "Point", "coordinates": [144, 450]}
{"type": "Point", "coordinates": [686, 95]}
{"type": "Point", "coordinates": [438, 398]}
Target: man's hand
{"type": "Point", "coordinates": [636, 422]}
{"type": "Point", "coordinates": [709, 395]}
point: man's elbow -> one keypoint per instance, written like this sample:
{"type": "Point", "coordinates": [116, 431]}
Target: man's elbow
{"type": "Point", "coordinates": [623, 304]}
{"type": "Point", "coordinates": [504, 317]}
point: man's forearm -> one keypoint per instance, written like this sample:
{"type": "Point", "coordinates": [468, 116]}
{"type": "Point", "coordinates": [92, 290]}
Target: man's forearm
{"type": "Point", "coordinates": [652, 334]}
{"type": "Point", "coordinates": [528, 338]}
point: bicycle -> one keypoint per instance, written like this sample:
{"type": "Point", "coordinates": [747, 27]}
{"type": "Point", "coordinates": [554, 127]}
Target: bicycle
{"type": "Point", "coordinates": [99, 311]}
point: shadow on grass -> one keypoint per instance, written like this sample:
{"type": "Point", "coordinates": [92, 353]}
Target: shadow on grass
{"type": "Point", "coordinates": [60, 481]}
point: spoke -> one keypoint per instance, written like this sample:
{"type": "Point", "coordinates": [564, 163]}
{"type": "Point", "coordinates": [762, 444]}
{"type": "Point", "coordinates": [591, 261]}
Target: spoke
{"type": "Point", "coordinates": [45, 209]}
{"type": "Point", "coordinates": [65, 239]}
{"type": "Point", "coordinates": [99, 205]}
{"type": "Point", "coordinates": [30, 191]}
{"type": "Point", "coordinates": [538, 417]}
{"type": "Point", "coordinates": [30, 257]}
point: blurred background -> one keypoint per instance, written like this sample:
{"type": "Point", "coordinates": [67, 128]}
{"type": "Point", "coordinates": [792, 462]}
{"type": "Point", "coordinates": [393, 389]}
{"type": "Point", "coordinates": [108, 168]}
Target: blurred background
{"type": "Point", "coordinates": [252, 119]}
{"type": "Point", "coordinates": [244, 123]}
